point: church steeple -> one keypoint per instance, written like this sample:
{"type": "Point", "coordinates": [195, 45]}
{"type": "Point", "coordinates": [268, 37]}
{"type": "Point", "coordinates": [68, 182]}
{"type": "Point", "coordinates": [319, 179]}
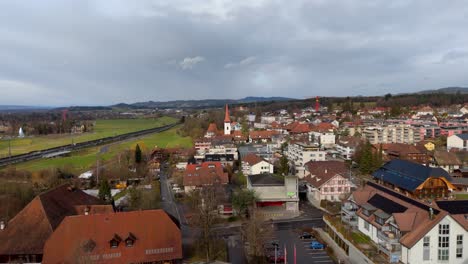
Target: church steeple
{"type": "Point", "coordinates": [227, 122]}
{"type": "Point", "coordinates": [226, 115]}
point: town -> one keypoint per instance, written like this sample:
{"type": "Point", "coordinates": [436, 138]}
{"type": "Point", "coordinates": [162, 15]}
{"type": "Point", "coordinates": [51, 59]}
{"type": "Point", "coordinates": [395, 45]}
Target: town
{"type": "Point", "coordinates": [233, 132]}
{"type": "Point", "coordinates": [336, 183]}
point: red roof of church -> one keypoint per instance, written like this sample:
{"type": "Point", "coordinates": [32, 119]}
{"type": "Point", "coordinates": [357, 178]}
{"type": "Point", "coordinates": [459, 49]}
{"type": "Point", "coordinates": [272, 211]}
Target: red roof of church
{"type": "Point", "coordinates": [226, 115]}
{"type": "Point", "coordinates": [212, 128]}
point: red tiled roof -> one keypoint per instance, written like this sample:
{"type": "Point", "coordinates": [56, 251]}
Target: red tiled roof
{"type": "Point", "coordinates": [323, 127]}
{"type": "Point", "coordinates": [252, 159]}
{"type": "Point", "coordinates": [84, 237]}
{"type": "Point", "coordinates": [323, 171]}
{"type": "Point", "coordinates": [206, 173]}
{"type": "Point", "coordinates": [212, 128]}
{"type": "Point", "coordinates": [262, 134]}
{"type": "Point", "coordinates": [27, 232]}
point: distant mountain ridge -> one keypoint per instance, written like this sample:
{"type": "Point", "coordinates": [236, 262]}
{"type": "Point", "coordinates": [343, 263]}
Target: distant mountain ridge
{"type": "Point", "coordinates": [22, 107]}
{"type": "Point", "coordinates": [200, 103]}
{"type": "Point", "coordinates": [447, 90]}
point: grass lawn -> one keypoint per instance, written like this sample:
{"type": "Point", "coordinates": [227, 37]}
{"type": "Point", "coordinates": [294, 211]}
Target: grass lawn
{"type": "Point", "coordinates": [461, 196]}
{"type": "Point", "coordinates": [360, 238]}
{"type": "Point", "coordinates": [103, 128]}
{"type": "Point", "coordinates": [81, 161]}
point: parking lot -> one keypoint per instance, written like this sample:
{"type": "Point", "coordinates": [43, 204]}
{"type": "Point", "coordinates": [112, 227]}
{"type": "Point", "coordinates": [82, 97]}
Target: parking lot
{"type": "Point", "coordinates": [288, 237]}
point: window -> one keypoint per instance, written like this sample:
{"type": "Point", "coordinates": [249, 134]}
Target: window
{"type": "Point", "coordinates": [443, 252]}
{"type": "Point", "coordinates": [379, 220]}
{"type": "Point", "coordinates": [332, 189]}
{"type": "Point", "coordinates": [339, 189]}
{"type": "Point", "coordinates": [459, 251]}
{"type": "Point", "coordinates": [426, 248]}
{"type": "Point", "coordinates": [443, 241]}
{"type": "Point", "coordinates": [366, 225]}
{"type": "Point", "coordinates": [325, 189]}
{"type": "Point", "coordinates": [444, 229]}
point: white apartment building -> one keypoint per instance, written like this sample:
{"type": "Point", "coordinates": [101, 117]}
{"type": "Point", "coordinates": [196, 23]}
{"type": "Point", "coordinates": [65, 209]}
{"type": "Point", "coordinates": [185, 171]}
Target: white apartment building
{"type": "Point", "coordinates": [400, 133]}
{"type": "Point", "coordinates": [325, 139]}
{"type": "Point", "coordinates": [300, 153]}
{"type": "Point", "coordinates": [346, 147]}
{"type": "Point", "coordinates": [267, 119]}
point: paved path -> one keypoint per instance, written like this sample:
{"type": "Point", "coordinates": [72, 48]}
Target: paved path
{"type": "Point", "coordinates": [337, 251]}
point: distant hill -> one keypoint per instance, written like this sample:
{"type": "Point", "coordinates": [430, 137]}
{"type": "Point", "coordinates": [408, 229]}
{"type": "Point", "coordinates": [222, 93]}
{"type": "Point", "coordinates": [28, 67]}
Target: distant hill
{"type": "Point", "coordinates": [22, 108]}
{"type": "Point", "coordinates": [206, 103]}
{"type": "Point", "coordinates": [447, 90]}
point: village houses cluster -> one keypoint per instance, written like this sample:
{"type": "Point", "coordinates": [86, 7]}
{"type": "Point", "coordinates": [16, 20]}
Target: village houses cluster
{"type": "Point", "coordinates": [407, 207]}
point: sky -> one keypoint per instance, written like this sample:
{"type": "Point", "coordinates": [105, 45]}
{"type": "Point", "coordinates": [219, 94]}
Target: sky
{"type": "Point", "coordinates": [102, 52]}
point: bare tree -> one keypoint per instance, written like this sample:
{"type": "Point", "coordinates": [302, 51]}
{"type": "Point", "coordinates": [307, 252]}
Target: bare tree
{"type": "Point", "coordinates": [204, 204]}
{"type": "Point", "coordinates": [256, 233]}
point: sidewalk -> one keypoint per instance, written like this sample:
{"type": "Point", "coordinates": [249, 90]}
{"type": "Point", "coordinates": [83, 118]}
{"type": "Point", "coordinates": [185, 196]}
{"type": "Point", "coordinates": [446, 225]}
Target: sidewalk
{"type": "Point", "coordinates": [337, 251]}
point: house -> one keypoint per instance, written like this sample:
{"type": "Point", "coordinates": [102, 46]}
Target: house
{"type": "Point", "coordinates": [254, 164]}
{"type": "Point", "coordinates": [264, 151]}
{"type": "Point", "coordinates": [327, 180]}
{"type": "Point", "coordinates": [459, 141]}
{"type": "Point", "coordinates": [226, 153]}
{"type": "Point", "coordinates": [347, 146]}
{"type": "Point", "coordinates": [403, 151]}
{"type": "Point", "coordinates": [446, 160]}
{"type": "Point", "coordinates": [277, 196]}
{"type": "Point", "coordinates": [299, 153]}
{"type": "Point", "coordinates": [212, 131]}
{"type": "Point", "coordinates": [23, 237]}
{"type": "Point", "coordinates": [206, 173]}
{"type": "Point", "coordinates": [414, 179]}
{"type": "Point", "coordinates": [150, 236]}
{"type": "Point", "coordinates": [407, 230]}
{"type": "Point", "coordinates": [324, 136]}
{"type": "Point", "coordinates": [262, 136]}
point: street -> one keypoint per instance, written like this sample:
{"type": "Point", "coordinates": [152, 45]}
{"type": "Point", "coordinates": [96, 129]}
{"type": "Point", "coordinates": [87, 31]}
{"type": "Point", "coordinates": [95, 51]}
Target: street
{"type": "Point", "coordinates": [285, 231]}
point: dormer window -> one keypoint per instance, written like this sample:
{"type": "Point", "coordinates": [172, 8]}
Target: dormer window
{"type": "Point", "coordinates": [130, 240]}
{"type": "Point", "coordinates": [115, 241]}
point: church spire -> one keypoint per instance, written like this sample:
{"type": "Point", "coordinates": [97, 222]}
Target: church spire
{"type": "Point", "coordinates": [226, 115]}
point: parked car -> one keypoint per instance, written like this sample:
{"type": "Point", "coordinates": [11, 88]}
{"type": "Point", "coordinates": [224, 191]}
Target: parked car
{"type": "Point", "coordinates": [316, 245]}
{"type": "Point", "coordinates": [306, 235]}
{"type": "Point", "coordinates": [279, 258]}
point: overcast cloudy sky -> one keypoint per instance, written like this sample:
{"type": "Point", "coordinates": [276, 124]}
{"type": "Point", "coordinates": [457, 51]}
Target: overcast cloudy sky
{"type": "Point", "coordinates": [105, 51]}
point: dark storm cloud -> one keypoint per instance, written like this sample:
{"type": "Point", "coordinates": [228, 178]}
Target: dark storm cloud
{"type": "Point", "coordinates": [103, 52]}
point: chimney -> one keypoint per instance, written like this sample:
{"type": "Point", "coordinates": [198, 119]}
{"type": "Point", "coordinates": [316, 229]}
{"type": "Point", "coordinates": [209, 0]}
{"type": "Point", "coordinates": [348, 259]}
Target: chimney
{"type": "Point", "coordinates": [2, 225]}
{"type": "Point", "coordinates": [86, 210]}
{"type": "Point", "coordinates": [326, 170]}
{"type": "Point", "coordinates": [431, 213]}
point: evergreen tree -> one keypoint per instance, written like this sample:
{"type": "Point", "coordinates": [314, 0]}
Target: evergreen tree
{"type": "Point", "coordinates": [138, 155]}
{"type": "Point", "coordinates": [104, 190]}
{"type": "Point", "coordinates": [284, 165]}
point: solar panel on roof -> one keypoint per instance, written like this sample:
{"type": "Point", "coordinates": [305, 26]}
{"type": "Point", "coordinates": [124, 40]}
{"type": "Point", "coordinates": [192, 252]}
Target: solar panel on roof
{"type": "Point", "coordinates": [386, 205]}
{"type": "Point", "coordinates": [454, 207]}
{"type": "Point", "coordinates": [402, 197]}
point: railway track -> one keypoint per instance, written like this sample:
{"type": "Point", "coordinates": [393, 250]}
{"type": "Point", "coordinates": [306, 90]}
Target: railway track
{"type": "Point", "coordinates": [39, 154]}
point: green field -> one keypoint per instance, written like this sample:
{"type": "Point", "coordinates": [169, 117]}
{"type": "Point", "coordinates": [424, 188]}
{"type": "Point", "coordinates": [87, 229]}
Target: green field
{"type": "Point", "coordinates": [83, 160]}
{"type": "Point", "coordinates": [103, 128]}
{"type": "Point", "coordinates": [461, 196]}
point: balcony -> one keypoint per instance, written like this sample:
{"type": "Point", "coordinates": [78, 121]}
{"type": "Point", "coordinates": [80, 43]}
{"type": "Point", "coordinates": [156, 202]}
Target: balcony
{"type": "Point", "coordinates": [349, 209]}
{"type": "Point", "coordinates": [392, 251]}
{"type": "Point", "coordinates": [388, 237]}
{"type": "Point", "coordinates": [351, 220]}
